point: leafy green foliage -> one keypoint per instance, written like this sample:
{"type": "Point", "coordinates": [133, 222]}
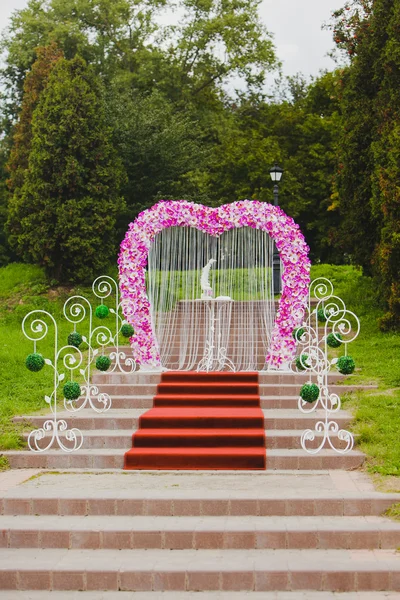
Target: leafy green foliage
{"type": "Point", "coordinates": [162, 150]}
{"type": "Point", "coordinates": [6, 254]}
{"type": "Point", "coordinates": [301, 136]}
{"type": "Point", "coordinates": [367, 190]}
{"type": "Point", "coordinates": [309, 392]}
{"type": "Point", "coordinates": [34, 362]}
{"type": "Point", "coordinates": [103, 363]}
{"type": "Point", "coordinates": [126, 36]}
{"type": "Point", "coordinates": [34, 83]}
{"type": "Point", "coordinates": [65, 217]}
{"type": "Point", "coordinates": [14, 160]}
{"type": "Point", "coordinates": [346, 365]}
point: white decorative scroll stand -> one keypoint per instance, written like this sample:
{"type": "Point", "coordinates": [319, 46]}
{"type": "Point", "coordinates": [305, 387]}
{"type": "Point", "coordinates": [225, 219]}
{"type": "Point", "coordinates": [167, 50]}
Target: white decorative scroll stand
{"type": "Point", "coordinates": [344, 326]}
{"type": "Point", "coordinates": [217, 326]}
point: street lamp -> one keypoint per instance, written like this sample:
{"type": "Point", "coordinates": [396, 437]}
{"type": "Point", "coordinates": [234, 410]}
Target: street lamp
{"type": "Point", "coordinates": [276, 175]}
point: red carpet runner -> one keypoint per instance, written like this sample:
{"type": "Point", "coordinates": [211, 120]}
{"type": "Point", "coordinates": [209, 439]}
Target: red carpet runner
{"type": "Point", "coordinates": [201, 421]}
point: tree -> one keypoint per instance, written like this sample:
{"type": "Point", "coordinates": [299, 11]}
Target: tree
{"type": "Point", "coordinates": [367, 184]}
{"type": "Point", "coordinates": [214, 41]}
{"type": "Point", "coordinates": [15, 159]}
{"type": "Point", "coordinates": [34, 84]}
{"type": "Point", "coordinates": [6, 254]}
{"type": "Point", "coordinates": [300, 133]}
{"type": "Point", "coordinates": [70, 198]}
{"type": "Point", "coordinates": [163, 150]}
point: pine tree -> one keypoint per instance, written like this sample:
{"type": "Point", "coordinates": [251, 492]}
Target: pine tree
{"type": "Point", "coordinates": [69, 202]}
{"type": "Point", "coordinates": [35, 82]}
{"type": "Point", "coordinates": [17, 163]}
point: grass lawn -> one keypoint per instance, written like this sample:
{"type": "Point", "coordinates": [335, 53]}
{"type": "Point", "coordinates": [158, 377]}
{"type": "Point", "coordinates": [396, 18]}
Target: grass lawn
{"type": "Point", "coordinates": [377, 356]}
{"type": "Point", "coordinates": [24, 288]}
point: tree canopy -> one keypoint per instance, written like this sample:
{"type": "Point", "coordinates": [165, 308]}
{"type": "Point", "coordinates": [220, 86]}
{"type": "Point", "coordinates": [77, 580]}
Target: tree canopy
{"type": "Point", "coordinates": [367, 184]}
{"type": "Point", "coordinates": [65, 214]}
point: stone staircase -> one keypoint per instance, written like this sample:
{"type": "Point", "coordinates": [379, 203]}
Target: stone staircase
{"type": "Point", "coordinates": [107, 436]}
{"type": "Point", "coordinates": [243, 534]}
{"type": "Point", "coordinates": [307, 527]}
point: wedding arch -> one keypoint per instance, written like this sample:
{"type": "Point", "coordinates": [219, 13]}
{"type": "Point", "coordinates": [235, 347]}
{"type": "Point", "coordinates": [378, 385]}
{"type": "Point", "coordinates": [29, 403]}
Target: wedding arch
{"type": "Point", "coordinates": [153, 230]}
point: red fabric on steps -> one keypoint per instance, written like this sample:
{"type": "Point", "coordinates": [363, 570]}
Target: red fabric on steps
{"type": "Point", "coordinates": [201, 421]}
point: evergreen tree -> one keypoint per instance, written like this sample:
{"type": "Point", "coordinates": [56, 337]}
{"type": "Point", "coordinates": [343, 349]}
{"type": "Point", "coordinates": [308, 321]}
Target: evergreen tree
{"type": "Point", "coordinates": [34, 84]}
{"type": "Point", "coordinates": [69, 202]}
{"type": "Point", "coordinates": [368, 185]}
{"type": "Point", "coordinates": [17, 163]}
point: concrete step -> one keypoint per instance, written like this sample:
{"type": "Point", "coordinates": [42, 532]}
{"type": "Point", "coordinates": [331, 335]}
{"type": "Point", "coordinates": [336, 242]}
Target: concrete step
{"type": "Point", "coordinates": [191, 570]}
{"type": "Point", "coordinates": [201, 532]}
{"type": "Point", "coordinates": [122, 439]}
{"type": "Point", "coordinates": [155, 378]}
{"type": "Point", "coordinates": [113, 459]}
{"type": "Point", "coordinates": [128, 419]}
{"type": "Point", "coordinates": [286, 389]}
{"type": "Point", "coordinates": [103, 503]}
{"type": "Point", "coordinates": [146, 402]}
{"type": "Point", "coordinates": [207, 388]}
{"type": "Point", "coordinates": [194, 493]}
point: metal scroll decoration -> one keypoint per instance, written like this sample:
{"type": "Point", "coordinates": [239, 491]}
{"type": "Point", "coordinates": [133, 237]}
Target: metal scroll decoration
{"type": "Point", "coordinates": [35, 327]}
{"type": "Point", "coordinates": [78, 356]}
{"type": "Point", "coordinates": [77, 310]}
{"type": "Point", "coordinates": [340, 326]}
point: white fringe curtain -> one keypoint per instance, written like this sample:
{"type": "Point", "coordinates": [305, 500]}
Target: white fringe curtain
{"type": "Point", "coordinates": [182, 319]}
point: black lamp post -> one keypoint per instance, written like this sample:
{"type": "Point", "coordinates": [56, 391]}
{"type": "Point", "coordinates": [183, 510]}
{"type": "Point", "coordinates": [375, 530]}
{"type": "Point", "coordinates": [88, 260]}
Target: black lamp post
{"type": "Point", "coordinates": [276, 175]}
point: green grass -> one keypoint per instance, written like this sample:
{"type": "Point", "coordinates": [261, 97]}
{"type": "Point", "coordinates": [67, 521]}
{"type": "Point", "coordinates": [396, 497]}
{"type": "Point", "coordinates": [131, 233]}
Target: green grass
{"type": "Point", "coordinates": [377, 427]}
{"type": "Point", "coordinates": [394, 512]}
{"type": "Point", "coordinates": [377, 356]}
{"type": "Point", "coordinates": [240, 284]}
{"type": "Point", "coordinates": [23, 288]}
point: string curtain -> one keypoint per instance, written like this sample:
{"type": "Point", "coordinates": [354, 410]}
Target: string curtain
{"type": "Point", "coordinates": [236, 317]}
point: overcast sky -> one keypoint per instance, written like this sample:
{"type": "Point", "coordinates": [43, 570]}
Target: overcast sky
{"type": "Point", "coordinates": [296, 24]}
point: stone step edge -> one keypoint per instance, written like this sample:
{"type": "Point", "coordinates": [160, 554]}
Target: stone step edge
{"type": "Point", "coordinates": [255, 570]}
{"type": "Point", "coordinates": [276, 461]}
{"type": "Point", "coordinates": [366, 504]}
{"type": "Point", "coordinates": [118, 451]}
{"type": "Point", "coordinates": [195, 523]}
{"type": "Point", "coordinates": [198, 532]}
{"type": "Point", "coordinates": [137, 412]}
{"type": "Point", "coordinates": [271, 433]}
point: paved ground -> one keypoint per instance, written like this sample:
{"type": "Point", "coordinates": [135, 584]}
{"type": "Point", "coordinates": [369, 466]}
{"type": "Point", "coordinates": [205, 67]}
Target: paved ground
{"type": "Point", "coordinates": [184, 484]}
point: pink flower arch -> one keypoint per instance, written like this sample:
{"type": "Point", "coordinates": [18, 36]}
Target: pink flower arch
{"type": "Point", "coordinates": [285, 232]}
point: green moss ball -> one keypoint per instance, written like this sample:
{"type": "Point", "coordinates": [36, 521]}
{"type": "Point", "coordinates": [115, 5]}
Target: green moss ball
{"type": "Point", "coordinates": [103, 363]}
{"type": "Point", "coordinates": [309, 392]}
{"type": "Point", "coordinates": [74, 339]}
{"type": "Point", "coordinates": [34, 362]}
{"type": "Point", "coordinates": [102, 311]}
{"type": "Point", "coordinates": [298, 332]}
{"type": "Point", "coordinates": [321, 315]}
{"type": "Point", "coordinates": [72, 390]}
{"type": "Point", "coordinates": [334, 340]}
{"type": "Point", "coordinates": [346, 365]}
{"type": "Point", "coordinates": [127, 330]}
{"type": "Point", "coordinates": [302, 362]}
